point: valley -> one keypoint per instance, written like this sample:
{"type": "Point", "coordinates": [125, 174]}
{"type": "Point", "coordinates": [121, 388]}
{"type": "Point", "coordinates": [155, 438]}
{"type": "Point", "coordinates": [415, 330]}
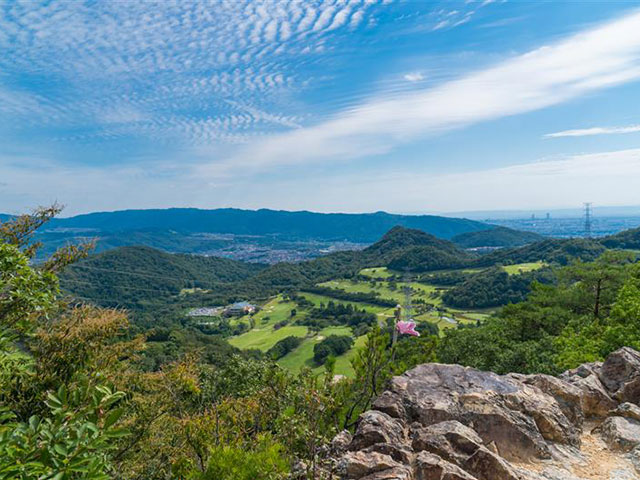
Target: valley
{"type": "Point", "coordinates": [342, 294]}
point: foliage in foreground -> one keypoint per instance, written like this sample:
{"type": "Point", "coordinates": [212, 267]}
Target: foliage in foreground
{"type": "Point", "coordinates": [593, 310]}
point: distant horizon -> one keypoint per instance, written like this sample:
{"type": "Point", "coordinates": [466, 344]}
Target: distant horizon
{"type": "Point", "coordinates": [478, 215]}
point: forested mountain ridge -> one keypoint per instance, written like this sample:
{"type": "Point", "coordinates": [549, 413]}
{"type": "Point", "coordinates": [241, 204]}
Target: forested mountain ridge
{"type": "Point", "coordinates": [560, 251]}
{"type": "Point", "coordinates": [629, 239]}
{"type": "Point", "coordinates": [361, 227]}
{"type": "Point", "coordinates": [114, 272]}
{"type": "Point", "coordinates": [123, 273]}
{"type": "Point", "coordinates": [496, 237]}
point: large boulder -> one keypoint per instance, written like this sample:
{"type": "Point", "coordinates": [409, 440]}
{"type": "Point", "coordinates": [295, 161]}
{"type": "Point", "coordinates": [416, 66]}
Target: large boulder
{"type": "Point", "coordinates": [451, 440]}
{"type": "Point", "coordinates": [515, 416]}
{"type": "Point", "coordinates": [568, 396]}
{"type": "Point", "coordinates": [620, 374]}
{"type": "Point", "coordinates": [620, 433]}
{"type": "Point", "coordinates": [377, 427]}
{"type": "Point", "coordinates": [356, 465]}
{"type": "Point", "coordinates": [432, 467]}
{"type": "Point", "coordinates": [447, 422]}
{"type": "Point", "coordinates": [595, 399]}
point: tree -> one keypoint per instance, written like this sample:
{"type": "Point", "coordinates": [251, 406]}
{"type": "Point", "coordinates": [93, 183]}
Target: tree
{"type": "Point", "coordinates": [60, 413]}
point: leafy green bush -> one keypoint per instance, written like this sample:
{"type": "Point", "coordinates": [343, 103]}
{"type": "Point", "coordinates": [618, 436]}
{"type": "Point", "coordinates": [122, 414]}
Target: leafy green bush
{"type": "Point", "coordinates": [265, 462]}
{"type": "Point", "coordinates": [332, 345]}
{"type": "Point", "coordinates": [284, 346]}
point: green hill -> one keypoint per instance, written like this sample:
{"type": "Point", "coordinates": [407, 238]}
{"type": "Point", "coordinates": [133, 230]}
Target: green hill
{"type": "Point", "coordinates": [627, 239]}
{"type": "Point", "coordinates": [406, 249]}
{"type": "Point", "coordinates": [496, 237]}
{"type": "Point", "coordinates": [560, 251]}
{"type": "Point", "coordinates": [127, 275]}
{"type": "Point", "coordinates": [365, 227]}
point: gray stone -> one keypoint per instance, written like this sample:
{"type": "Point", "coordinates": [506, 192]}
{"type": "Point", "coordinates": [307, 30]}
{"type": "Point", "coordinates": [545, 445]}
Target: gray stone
{"type": "Point", "coordinates": [619, 369]}
{"type": "Point", "coordinates": [619, 433]}
{"type": "Point", "coordinates": [627, 410]}
{"type": "Point", "coordinates": [431, 467]}
{"type": "Point", "coordinates": [596, 401]}
{"type": "Point", "coordinates": [356, 465]}
{"type": "Point", "coordinates": [567, 396]}
{"type": "Point", "coordinates": [397, 473]}
{"type": "Point", "coordinates": [485, 465]}
{"type": "Point", "coordinates": [377, 427]}
{"type": "Point", "coordinates": [450, 440]}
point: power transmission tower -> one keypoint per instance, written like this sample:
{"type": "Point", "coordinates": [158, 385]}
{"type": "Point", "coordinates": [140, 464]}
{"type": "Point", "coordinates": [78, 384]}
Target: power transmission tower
{"type": "Point", "coordinates": [588, 212]}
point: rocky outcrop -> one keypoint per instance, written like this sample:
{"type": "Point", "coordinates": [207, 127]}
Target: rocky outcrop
{"type": "Point", "coordinates": [447, 422]}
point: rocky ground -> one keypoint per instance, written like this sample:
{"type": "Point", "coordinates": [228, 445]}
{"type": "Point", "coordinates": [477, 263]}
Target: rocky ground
{"type": "Point", "coordinates": [447, 422]}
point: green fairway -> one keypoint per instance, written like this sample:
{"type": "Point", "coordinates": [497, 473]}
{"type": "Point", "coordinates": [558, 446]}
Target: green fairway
{"type": "Point", "coordinates": [318, 299]}
{"type": "Point", "coordinates": [523, 267]}
{"type": "Point", "coordinates": [419, 290]}
{"type": "Point", "coordinates": [303, 355]}
{"type": "Point", "coordinates": [376, 272]}
{"type": "Point", "coordinates": [264, 336]}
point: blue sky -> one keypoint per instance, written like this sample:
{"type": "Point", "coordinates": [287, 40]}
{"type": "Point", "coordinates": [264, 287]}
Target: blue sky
{"type": "Point", "coordinates": [335, 105]}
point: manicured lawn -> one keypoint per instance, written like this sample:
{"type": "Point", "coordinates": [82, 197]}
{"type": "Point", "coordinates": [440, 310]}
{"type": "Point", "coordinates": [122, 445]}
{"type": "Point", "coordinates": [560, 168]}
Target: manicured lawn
{"type": "Point", "coordinates": [420, 290]}
{"type": "Point", "coordinates": [523, 267]}
{"type": "Point", "coordinates": [303, 355]}
{"type": "Point", "coordinates": [263, 336]}
{"type": "Point", "coordinates": [318, 299]}
{"type": "Point", "coordinates": [376, 272]}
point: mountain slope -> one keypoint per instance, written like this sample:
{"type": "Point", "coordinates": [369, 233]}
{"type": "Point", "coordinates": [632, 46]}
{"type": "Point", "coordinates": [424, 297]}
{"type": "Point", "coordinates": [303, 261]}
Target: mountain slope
{"type": "Point", "coordinates": [413, 250]}
{"type": "Point", "coordinates": [560, 251]}
{"type": "Point", "coordinates": [367, 227]}
{"type": "Point", "coordinates": [128, 274]}
{"type": "Point", "coordinates": [496, 237]}
{"type": "Point", "coordinates": [629, 239]}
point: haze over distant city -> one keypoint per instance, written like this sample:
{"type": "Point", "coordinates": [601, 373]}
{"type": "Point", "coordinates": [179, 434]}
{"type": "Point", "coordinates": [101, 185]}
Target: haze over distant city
{"type": "Point", "coordinates": [327, 106]}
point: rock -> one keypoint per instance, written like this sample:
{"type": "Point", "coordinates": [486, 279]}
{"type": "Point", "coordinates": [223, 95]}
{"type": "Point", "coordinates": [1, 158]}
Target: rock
{"type": "Point", "coordinates": [567, 396]}
{"type": "Point", "coordinates": [502, 409]}
{"type": "Point", "coordinates": [341, 442]}
{"type": "Point", "coordinates": [596, 401]}
{"type": "Point", "coordinates": [450, 440]}
{"type": "Point", "coordinates": [627, 410]}
{"type": "Point", "coordinates": [634, 456]}
{"type": "Point", "coordinates": [399, 453]}
{"type": "Point", "coordinates": [583, 371]}
{"type": "Point", "coordinates": [431, 467]}
{"type": "Point", "coordinates": [619, 433]}
{"type": "Point", "coordinates": [485, 465]}
{"type": "Point", "coordinates": [377, 427]}
{"type": "Point", "coordinates": [391, 404]}
{"type": "Point", "coordinates": [620, 374]}
{"type": "Point", "coordinates": [515, 434]}
{"type": "Point", "coordinates": [356, 465]}
{"type": "Point", "coordinates": [448, 422]}
{"type": "Point", "coordinates": [398, 473]}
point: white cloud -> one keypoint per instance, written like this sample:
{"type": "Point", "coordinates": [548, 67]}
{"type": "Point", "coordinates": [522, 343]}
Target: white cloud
{"type": "Point", "coordinates": [604, 56]}
{"type": "Point", "coordinates": [167, 58]}
{"type": "Point", "coordinates": [606, 178]}
{"type": "Point", "coordinates": [586, 132]}
{"type": "Point", "coordinates": [413, 77]}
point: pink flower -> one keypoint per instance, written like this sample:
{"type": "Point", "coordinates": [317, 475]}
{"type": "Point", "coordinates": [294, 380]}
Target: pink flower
{"type": "Point", "coordinates": [407, 328]}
